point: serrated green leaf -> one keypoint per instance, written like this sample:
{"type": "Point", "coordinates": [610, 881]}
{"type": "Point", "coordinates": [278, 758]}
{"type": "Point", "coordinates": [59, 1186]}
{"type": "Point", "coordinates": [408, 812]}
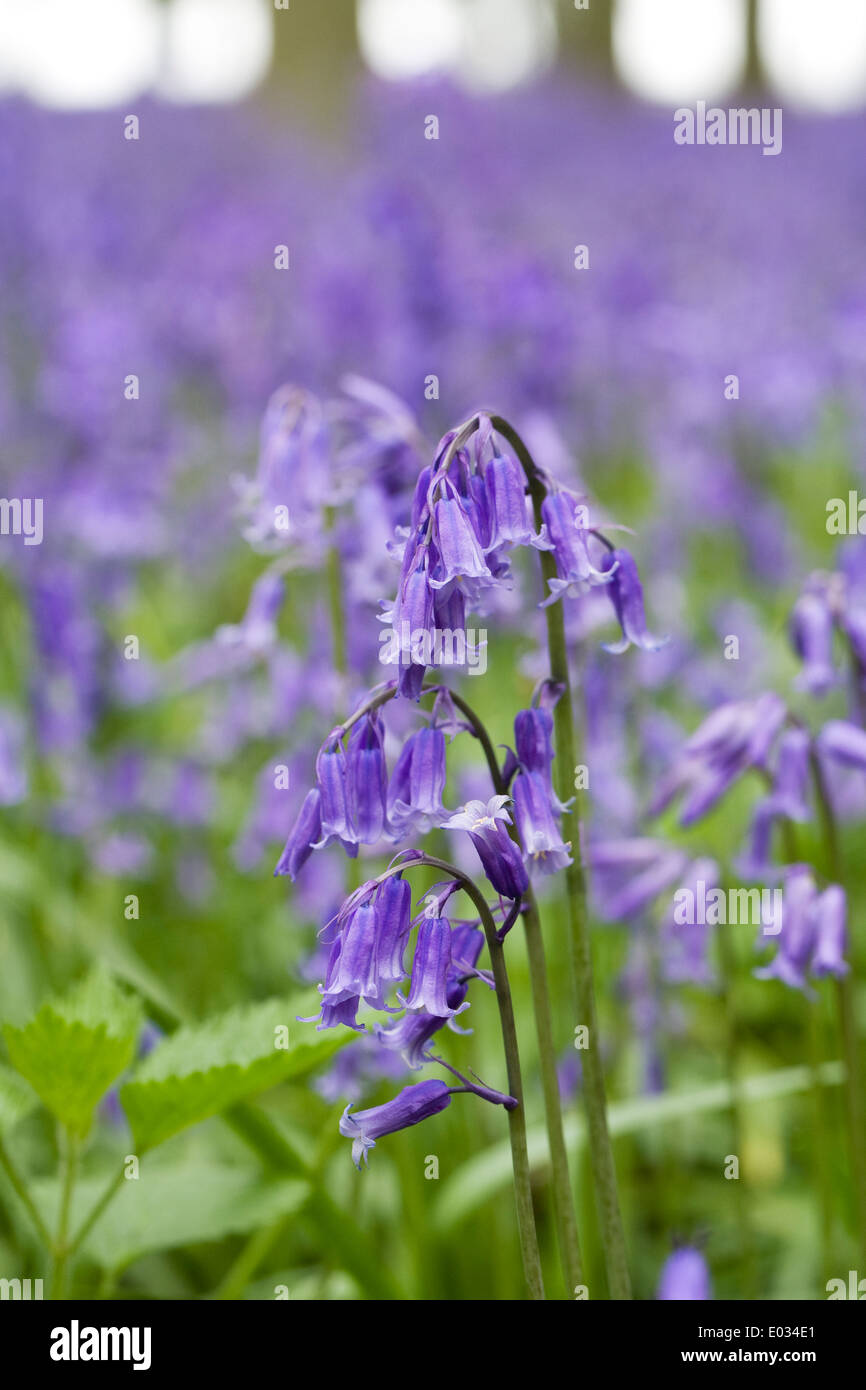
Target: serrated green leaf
{"type": "Point", "coordinates": [17, 1100]}
{"type": "Point", "coordinates": [74, 1048]}
{"type": "Point", "coordinates": [205, 1068]}
{"type": "Point", "coordinates": [172, 1206]}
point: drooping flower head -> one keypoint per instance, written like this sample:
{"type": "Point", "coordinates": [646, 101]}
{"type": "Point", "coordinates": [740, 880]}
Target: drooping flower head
{"type": "Point", "coordinates": [500, 856]}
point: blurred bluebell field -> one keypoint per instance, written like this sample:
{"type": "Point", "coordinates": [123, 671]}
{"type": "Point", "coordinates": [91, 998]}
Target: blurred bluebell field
{"type": "Point", "coordinates": [235, 311]}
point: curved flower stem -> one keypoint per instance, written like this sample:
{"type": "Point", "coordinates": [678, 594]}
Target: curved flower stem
{"type": "Point", "coordinates": [847, 1019]}
{"type": "Point", "coordinates": [517, 1116]}
{"type": "Point", "coordinates": [601, 1151]}
{"type": "Point", "coordinates": [563, 1193]}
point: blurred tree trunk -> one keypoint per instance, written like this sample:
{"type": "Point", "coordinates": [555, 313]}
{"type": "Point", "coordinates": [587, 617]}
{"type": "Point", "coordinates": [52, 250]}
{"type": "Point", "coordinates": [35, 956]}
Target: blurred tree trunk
{"type": "Point", "coordinates": [584, 36]}
{"type": "Point", "coordinates": [753, 77]}
{"type": "Point", "coordinates": [316, 60]}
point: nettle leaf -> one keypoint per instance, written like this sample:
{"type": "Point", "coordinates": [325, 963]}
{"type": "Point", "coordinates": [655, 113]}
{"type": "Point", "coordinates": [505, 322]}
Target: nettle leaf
{"type": "Point", "coordinates": [172, 1206]}
{"type": "Point", "coordinates": [75, 1047]}
{"type": "Point", "coordinates": [204, 1068]}
{"type": "Point", "coordinates": [17, 1100]}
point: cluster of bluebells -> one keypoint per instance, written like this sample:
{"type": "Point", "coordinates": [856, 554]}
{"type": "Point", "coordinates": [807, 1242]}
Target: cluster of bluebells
{"type": "Point", "coordinates": [632, 874]}
{"type": "Point", "coordinates": [813, 937]}
{"type": "Point", "coordinates": [470, 509]}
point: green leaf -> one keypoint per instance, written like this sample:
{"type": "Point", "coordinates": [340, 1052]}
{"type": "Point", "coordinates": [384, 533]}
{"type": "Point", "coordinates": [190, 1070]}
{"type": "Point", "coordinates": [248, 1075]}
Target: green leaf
{"type": "Point", "coordinates": [168, 1207]}
{"type": "Point", "coordinates": [17, 1100]}
{"type": "Point", "coordinates": [75, 1047]}
{"type": "Point", "coordinates": [205, 1068]}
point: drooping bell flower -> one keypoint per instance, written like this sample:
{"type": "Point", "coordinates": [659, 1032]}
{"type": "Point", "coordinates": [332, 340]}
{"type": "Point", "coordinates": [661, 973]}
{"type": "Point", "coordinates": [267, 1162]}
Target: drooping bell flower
{"type": "Point", "coordinates": [533, 736]}
{"type": "Point", "coordinates": [831, 934]}
{"type": "Point", "coordinates": [626, 595]}
{"type": "Point", "coordinates": [410, 1107]}
{"type": "Point", "coordinates": [790, 794]}
{"type": "Point", "coordinates": [685, 1277]}
{"type": "Point", "coordinates": [305, 834]}
{"type": "Point", "coordinates": [735, 737]}
{"type": "Point", "coordinates": [430, 969]}
{"type": "Point", "coordinates": [333, 783]}
{"type": "Point", "coordinates": [418, 781]}
{"type": "Point", "coordinates": [788, 799]}
{"type": "Point", "coordinates": [412, 1034]}
{"type": "Point", "coordinates": [797, 938]}
{"type": "Point", "coordinates": [392, 907]}
{"type": "Point", "coordinates": [457, 546]}
{"type": "Point", "coordinates": [508, 506]}
{"type": "Point", "coordinates": [844, 743]}
{"type": "Point", "coordinates": [567, 525]}
{"type": "Point", "coordinates": [630, 874]}
{"type": "Point", "coordinates": [367, 780]}
{"type": "Point", "coordinates": [811, 629]}
{"type": "Point", "coordinates": [408, 618]}
{"type": "Point", "coordinates": [535, 816]}
{"type": "Point", "coordinates": [500, 857]}
{"type": "Point", "coordinates": [352, 968]}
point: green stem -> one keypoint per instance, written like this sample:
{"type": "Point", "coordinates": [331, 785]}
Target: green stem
{"type": "Point", "coordinates": [517, 1115]}
{"type": "Point", "coordinates": [23, 1193]}
{"type": "Point", "coordinates": [727, 970]}
{"type": "Point", "coordinates": [846, 1012]}
{"type": "Point", "coordinates": [96, 1211]}
{"type": "Point", "coordinates": [563, 1194]}
{"type": "Point", "coordinates": [253, 1252]}
{"type": "Point", "coordinates": [601, 1151]}
{"type": "Point", "coordinates": [819, 1139]}
{"type": "Point", "coordinates": [61, 1243]}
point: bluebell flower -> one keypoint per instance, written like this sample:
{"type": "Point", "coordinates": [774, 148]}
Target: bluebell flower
{"type": "Point", "coordinates": [843, 743]}
{"type": "Point", "coordinates": [811, 629]}
{"type": "Point", "coordinates": [831, 934]}
{"type": "Point", "coordinates": [392, 907]}
{"type": "Point", "coordinates": [418, 781]}
{"type": "Point", "coordinates": [539, 831]}
{"type": "Point", "coordinates": [797, 939]}
{"type": "Point", "coordinates": [684, 1277]}
{"type": "Point", "coordinates": [533, 736]}
{"type": "Point", "coordinates": [304, 836]}
{"type": "Point", "coordinates": [626, 595]}
{"type": "Point", "coordinates": [500, 857]}
{"type": "Point", "coordinates": [430, 969]}
{"type": "Point", "coordinates": [629, 874]}
{"type": "Point", "coordinates": [566, 522]}
{"type": "Point", "coordinates": [459, 551]}
{"type": "Point", "coordinates": [735, 737]}
{"type": "Point", "coordinates": [367, 780]}
{"type": "Point", "coordinates": [332, 779]}
{"type": "Point", "coordinates": [411, 1035]}
{"type": "Point", "coordinates": [410, 1107]}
